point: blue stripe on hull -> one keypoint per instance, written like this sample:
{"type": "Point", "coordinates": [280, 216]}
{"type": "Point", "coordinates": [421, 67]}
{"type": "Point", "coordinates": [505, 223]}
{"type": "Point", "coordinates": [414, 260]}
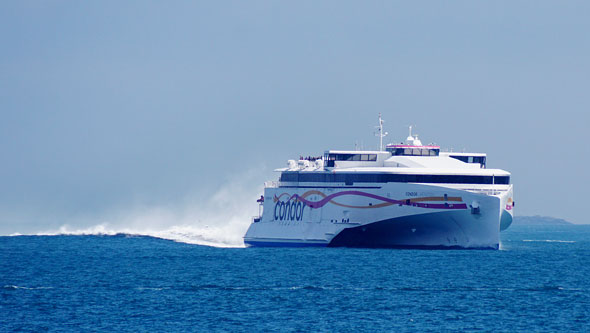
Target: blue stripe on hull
{"type": "Point", "coordinates": [424, 231]}
{"type": "Point", "coordinates": [282, 244]}
{"type": "Point", "coordinates": [420, 247]}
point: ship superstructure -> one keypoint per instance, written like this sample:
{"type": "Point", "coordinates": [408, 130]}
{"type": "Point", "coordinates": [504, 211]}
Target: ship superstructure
{"type": "Point", "coordinates": [408, 195]}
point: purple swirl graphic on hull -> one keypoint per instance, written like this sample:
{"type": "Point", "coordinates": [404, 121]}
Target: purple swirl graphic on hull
{"type": "Point", "coordinates": [414, 202]}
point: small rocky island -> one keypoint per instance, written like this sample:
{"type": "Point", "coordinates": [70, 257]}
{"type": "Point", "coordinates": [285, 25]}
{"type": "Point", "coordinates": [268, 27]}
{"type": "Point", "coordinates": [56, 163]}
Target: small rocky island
{"type": "Point", "coordinates": [539, 220]}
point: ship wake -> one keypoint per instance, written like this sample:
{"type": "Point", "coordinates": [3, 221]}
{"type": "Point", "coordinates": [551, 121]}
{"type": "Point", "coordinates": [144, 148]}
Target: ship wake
{"type": "Point", "coordinates": [219, 219]}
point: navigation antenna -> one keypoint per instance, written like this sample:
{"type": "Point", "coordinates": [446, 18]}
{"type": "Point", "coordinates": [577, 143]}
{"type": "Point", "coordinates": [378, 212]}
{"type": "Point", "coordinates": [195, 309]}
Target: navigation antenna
{"type": "Point", "coordinates": [380, 133]}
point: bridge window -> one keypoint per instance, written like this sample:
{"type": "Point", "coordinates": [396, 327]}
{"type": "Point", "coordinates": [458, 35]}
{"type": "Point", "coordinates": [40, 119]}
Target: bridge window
{"type": "Point", "coordinates": [414, 151]}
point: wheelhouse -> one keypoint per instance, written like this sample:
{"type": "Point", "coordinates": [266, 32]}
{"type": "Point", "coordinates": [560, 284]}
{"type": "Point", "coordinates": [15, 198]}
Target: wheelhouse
{"type": "Point", "coordinates": [408, 150]}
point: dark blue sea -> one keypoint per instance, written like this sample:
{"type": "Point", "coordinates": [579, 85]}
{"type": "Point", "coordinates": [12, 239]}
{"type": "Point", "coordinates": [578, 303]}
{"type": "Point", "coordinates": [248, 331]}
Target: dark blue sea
{"type": "Point", "coordinates": [538, 281]}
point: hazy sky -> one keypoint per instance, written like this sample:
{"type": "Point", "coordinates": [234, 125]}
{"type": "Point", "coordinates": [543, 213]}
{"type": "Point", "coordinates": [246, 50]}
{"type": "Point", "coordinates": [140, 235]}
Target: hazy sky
{"type": "Point", "coordinates": [112, 104]}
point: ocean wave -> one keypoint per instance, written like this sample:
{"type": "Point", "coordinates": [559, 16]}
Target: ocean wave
{"type": "Point", "coordinates": [319, 288]}
{"type": "Point", "coordinates": [152, 288]}
{"type": "Point", "coordinates": [548, 240]}
{"type": "Point", "coordinates": [14, 287]}
{"type": "Point", "coordinates": [228, 236]}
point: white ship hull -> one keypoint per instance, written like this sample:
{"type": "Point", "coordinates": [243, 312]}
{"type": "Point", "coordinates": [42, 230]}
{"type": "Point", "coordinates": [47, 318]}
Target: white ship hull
{"type": "Point", "coordinates": [391, 215]}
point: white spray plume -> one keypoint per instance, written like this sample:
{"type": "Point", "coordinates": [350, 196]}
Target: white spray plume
{"type": "Point", "coordinates": [219, 220]}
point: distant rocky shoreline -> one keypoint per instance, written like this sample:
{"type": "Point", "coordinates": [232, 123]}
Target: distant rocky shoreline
{"type": "Point", "coordinates": [539, 220]}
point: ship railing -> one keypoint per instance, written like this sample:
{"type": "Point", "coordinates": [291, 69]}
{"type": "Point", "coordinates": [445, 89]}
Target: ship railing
{"type": "Point", "coordinates": [486, 191]}
{"type": "Point", "coordinates": [271, 184]}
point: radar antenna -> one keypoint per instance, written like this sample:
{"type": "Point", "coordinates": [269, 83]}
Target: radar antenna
{"type": "Point", "coordinates": [380, 133]}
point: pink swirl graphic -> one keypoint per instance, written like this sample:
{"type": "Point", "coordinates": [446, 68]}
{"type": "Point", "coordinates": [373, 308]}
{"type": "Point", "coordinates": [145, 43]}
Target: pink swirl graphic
{"type": "Point", "coordinates": [414, 202]}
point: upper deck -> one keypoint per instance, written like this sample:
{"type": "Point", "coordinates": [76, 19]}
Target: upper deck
{"type": "Point", "coordinates": [409, 162]}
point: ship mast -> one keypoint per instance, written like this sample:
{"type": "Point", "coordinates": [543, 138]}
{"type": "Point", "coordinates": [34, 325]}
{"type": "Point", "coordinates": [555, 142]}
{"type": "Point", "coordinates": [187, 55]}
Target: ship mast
{"type": "Point", "coordinates": [380, 133]}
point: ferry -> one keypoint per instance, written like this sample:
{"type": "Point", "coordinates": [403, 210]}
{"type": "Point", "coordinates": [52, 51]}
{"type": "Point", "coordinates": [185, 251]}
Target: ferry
{"type": "Point", "coordinates": [408, 195]}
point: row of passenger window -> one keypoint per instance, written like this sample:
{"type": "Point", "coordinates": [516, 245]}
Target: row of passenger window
{"type": "Point", "coordinates": [471, 159]}
{"type": "Point", "coordinates": [349, 179]}
{"type": "Point", "coordinates": [351, 157]}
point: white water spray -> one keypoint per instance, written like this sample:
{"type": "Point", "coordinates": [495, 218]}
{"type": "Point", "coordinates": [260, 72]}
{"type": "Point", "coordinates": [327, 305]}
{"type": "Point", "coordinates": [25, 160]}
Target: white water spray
{"type": "Point", "coordinates": [221, 219]}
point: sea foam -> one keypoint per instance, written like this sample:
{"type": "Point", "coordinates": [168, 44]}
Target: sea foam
{"type": "Point", "coordinates": [218, 219]}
